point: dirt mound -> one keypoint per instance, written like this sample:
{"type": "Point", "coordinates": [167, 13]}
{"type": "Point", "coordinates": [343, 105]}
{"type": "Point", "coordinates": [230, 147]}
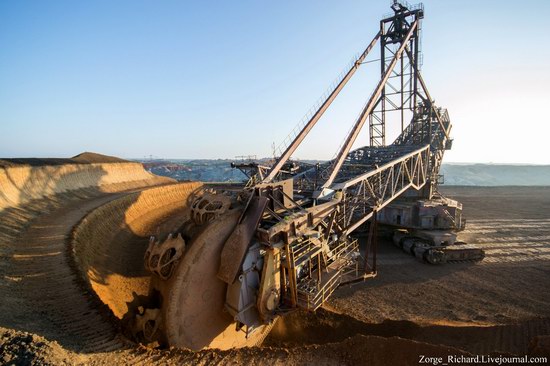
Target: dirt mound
{"type": "Point", "coordinates": [90, 157]}
{"type": "Point", "coordinates": [83, 158]}
{"type": "Point", "coordinates": [20, 184]}
{"type": "Point", "coordinates": [324, 326]}
{"type": "Point", "coordinates": [23, 348]}
{"type": "Point", "coordinates": [38, 206]}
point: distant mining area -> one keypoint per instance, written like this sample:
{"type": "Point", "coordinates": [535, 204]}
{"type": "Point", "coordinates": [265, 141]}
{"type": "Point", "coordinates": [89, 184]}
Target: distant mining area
{"type": "Point", "coordinates": [454, 174]}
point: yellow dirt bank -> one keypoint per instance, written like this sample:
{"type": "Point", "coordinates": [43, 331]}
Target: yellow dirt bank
{"type": "Point", "coordinates": [22, 183]}
{"type": "Point", "coordinates": [109, 243]}
{"type": "Point", "coordinates": [109, 208]}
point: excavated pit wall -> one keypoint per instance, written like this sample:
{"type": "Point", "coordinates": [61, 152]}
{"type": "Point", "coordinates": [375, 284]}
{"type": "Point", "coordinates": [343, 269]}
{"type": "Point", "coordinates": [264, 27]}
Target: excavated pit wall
{"type": "Point", "coordinates": [109, 243]}
{"type": "Point", "coordinates": [22, 184]}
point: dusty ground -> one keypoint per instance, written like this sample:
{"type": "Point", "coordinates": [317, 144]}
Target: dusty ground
{"type": "Point", "coordinates": [499, 305]}
{"type": "Point", "coordinates": [507, 294]}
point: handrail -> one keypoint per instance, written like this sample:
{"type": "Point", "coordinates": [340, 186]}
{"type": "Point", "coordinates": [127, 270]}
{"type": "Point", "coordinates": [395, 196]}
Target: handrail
{"type": "Point", "coordinates": [318, 114]}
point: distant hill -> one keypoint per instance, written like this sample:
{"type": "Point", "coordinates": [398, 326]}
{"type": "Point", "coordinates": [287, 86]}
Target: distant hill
{"type": "Point", "coordinates": [91, 157]}
{"type": "Point", "coordinates": [496, 175]}
{"type": "Point", "coordinates": [83, 158]}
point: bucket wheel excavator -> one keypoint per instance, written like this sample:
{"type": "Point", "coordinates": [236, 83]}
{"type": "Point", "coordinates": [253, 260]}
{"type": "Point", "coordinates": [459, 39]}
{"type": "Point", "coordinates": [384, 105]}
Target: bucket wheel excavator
{"type": "Point", "coordinates": [283, 241]}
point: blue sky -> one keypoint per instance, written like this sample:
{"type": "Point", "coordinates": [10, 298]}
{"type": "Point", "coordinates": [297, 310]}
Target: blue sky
{"type": "Point", "coordinates": [216, 79]}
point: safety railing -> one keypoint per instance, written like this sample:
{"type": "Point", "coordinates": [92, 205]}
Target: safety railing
{"type": "Point", "coordinates": [314, 290]}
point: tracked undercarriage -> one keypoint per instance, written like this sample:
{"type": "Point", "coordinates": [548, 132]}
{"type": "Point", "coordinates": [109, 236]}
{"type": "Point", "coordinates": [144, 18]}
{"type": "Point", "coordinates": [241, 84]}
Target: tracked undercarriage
{"type": "Point", "coordinates": [427, 229]}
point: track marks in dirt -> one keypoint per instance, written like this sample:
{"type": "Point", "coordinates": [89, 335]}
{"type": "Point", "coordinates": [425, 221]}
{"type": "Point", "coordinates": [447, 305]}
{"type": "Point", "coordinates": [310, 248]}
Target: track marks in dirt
{"type": "Point", "coordinates": [511, 240]}
{"type": "Point", "coordinates": [40, 281]}
{"type": "Point", "coordinates": [511, 284]}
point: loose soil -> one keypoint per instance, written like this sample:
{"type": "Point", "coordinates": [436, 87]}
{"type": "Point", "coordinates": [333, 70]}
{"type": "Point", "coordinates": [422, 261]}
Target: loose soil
{"type": "Point", "coordinates": [499, 305]}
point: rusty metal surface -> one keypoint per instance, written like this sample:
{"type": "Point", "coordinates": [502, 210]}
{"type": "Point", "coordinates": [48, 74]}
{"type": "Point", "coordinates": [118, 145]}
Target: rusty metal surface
{"type": "Point", "coordinates": [193, 304]}
{"type": "Point", "coordinates": [161, 258]}
{"type": "Point", "coordinates": [236, 246]}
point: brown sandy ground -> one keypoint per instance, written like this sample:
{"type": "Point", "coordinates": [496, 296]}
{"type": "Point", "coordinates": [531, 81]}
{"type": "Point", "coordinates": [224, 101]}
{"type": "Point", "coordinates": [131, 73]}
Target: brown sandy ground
{"type": "Point", "coordinates": [51, 320]}
{"type": "Point", "coordinates": [498, 305]}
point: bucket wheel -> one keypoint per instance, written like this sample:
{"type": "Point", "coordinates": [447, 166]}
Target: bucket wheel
{"type": "Point", "coordinates": [193, 308]}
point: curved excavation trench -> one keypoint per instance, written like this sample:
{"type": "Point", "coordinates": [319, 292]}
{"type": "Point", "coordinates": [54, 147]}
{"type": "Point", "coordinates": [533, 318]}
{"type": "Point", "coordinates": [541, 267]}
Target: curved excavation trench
{"type": "Point", "coordinates": [100, 237]}
{"type": "Point", "coordinates": [109, 243]}
{"type": "Point", "coordinates": [108, 247]}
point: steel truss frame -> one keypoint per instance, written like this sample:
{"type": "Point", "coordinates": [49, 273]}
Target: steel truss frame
{"type": "Point", "coordinates": [399, 92]}
{"type": "Point", "coordinates": [370, 192]}
{"type": "Point", "coordinates": [314, 230]}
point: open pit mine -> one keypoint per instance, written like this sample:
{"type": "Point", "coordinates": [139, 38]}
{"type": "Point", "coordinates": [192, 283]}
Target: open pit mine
{"type": "Point", "coordinates": [359, 260]}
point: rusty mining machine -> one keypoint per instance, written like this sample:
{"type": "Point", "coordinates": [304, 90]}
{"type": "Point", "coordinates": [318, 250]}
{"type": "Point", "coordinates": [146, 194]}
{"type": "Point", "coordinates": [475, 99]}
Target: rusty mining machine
{"type": "Point", "coordinates": [283, 241]}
